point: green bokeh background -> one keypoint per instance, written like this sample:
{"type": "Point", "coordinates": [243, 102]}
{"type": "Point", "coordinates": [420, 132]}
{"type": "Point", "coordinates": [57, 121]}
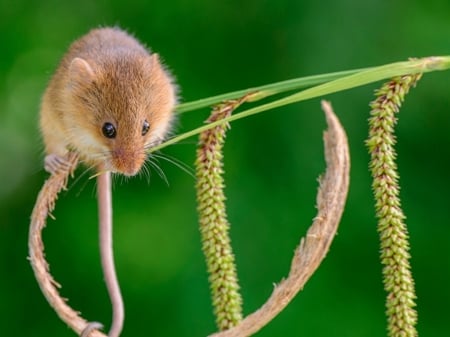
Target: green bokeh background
{"type": "Point", "coordinates": [272, 162]}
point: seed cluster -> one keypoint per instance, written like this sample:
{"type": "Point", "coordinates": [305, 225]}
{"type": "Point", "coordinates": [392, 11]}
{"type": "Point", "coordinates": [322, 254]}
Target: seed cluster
{"type": "Point", "coordinates": [397, 276]}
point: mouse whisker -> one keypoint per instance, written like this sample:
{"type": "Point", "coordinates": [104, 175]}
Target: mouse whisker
{"type": "Point", "coordinates": [176, 162]}
{"type": "Point", "coordinates": [78, 180]}
{"type": "Point", "coordinates": [181, 142]}
{"type": "Point", "coordinates": [86, 170]}
{"type": "Point", "coordinates": [98, 173]}
{"type": "Point", "coordinates": [145, 172]}
{"type": "Point", "coordinates": [153, 162]}
{"type": "Point", "coordinates": [153, 143]}
{"type": "Point", "coordinates": [119, 178]}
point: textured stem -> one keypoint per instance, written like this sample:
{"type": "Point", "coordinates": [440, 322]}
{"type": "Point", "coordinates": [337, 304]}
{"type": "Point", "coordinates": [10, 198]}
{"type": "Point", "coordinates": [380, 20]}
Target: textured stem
{"type": "Point", "coordinates": [45, 204]}
{"type": "Point", "coordinates": [397, 276]}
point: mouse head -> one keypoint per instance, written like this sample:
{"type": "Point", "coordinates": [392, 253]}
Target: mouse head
{"type": "Point", "coordinates": [125, 105]}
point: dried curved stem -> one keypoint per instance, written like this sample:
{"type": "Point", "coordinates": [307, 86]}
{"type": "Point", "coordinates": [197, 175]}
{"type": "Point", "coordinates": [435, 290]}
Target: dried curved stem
{"type": "Point", "coordinates": [45, 204]}
{"type": "Point", "coordinates": [331, 199]}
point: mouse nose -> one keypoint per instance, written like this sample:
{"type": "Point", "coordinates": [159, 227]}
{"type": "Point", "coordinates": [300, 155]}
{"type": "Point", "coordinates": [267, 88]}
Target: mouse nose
{"type": "Point", "coordinates": [128, 163]}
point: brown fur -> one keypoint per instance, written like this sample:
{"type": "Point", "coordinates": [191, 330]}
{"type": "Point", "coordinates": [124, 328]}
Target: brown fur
{"type": "Point", "coordinates": [107, 76]}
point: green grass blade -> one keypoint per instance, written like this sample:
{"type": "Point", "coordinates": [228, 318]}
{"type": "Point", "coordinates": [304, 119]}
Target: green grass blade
{"type": "Point", "coordinates": [369, 75]}
{"type": "Point", "coordinates": [266, 90]}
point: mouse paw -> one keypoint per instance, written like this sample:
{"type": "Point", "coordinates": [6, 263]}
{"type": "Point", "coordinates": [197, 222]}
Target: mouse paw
{"type": "Point", "coordinates": [54, 163]}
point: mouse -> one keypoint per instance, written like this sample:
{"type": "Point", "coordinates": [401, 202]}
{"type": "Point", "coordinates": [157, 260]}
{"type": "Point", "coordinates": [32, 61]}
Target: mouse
{"type": "Point", "coordinates": [110, 100]}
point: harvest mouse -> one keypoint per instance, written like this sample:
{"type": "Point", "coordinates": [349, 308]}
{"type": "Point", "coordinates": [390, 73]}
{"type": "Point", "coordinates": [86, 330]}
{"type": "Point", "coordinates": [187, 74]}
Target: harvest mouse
{"type": "Point", "coordinates": [109, 101]}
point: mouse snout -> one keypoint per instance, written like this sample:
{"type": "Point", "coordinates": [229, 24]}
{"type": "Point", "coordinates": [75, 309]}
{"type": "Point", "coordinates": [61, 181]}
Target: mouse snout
{"type": "Point", "coordinates": [127, 162]}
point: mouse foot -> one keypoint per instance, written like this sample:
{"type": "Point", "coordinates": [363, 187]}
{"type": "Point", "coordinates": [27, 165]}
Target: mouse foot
{"type": "Point", "coordinates": [54, 163]}
{"type": "Point", "coordinates": [89, 327]}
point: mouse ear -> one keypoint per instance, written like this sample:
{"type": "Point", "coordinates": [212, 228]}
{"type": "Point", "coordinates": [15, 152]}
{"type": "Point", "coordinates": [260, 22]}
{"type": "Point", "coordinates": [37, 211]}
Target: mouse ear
{"type": "Point", "coordinates": [154, 59]}
{"type": "Point", "coordinates": [80, 72]}
{"type": "Point", "coordinates": [157, 69]}
{"type": "Point", "coordinates": [155, 64]}
{"type": "Point", "coordinates": [162, 79]}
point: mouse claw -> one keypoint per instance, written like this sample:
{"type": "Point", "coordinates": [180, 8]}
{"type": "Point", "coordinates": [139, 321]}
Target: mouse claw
{"type": "Point", "coordinates": [89, 327]}
{"type": "Point", "coordinates": [54, 163]}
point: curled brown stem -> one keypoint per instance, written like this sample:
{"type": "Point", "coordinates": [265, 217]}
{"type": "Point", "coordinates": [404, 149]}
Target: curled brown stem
{"type": "Point", "coordinates": [45, 204]}
{"type": "Point", "coordinates": [331, 199]}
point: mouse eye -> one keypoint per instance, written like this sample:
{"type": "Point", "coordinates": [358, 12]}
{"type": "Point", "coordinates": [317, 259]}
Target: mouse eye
{"type": "Point", "coordinates": [145, 127]}
{"type": "Point", "coordinates": [109, 130]}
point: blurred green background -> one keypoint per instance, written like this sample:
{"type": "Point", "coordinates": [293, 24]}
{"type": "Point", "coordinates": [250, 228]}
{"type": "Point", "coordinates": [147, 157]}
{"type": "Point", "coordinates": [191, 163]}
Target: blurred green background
{"type": "Point", "coordinates": [272, 162]}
